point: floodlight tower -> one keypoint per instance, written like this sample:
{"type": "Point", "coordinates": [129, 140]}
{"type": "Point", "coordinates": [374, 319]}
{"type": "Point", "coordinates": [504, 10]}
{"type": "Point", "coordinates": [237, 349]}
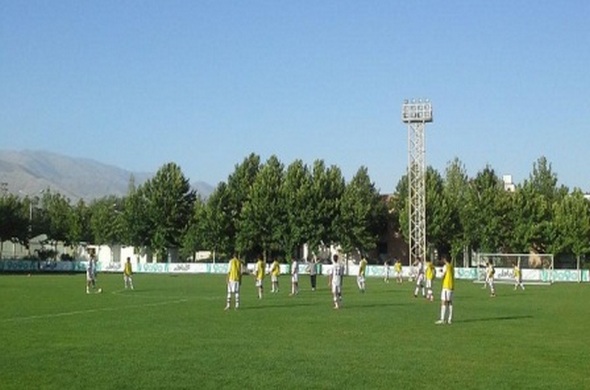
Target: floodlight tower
{"type": "Point", "coordinates": [416, 113]}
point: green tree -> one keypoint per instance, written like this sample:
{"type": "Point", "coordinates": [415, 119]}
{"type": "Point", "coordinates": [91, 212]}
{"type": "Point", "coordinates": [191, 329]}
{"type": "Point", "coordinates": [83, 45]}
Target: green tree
{"type": "Point", "coordinates": [263, 212]}
{"type": "Point", "coordinates": [239, 184]}
{"type": "Point", "coordinates": [170, 203]}
{"type": "Point", "coordinates": [571, 225]}
{"type": "Point", "coordinates": [14, 220]}
{"type": "Point", "coordinates": [486, 212]}
{"type": "Point", "coordinates": [455, 193]}
{"type": "Point", "coordinates": [194, 238]}
{"type": "Point", "coordinates": [59, 216]}
{"type": "Point", "coordinates": [326, 193]}
{"type": "Point", "coordinates": [215, 222]}
{"type": "Point", "coordinates": [299, 208]}
{"type": "Point", "coordinates": [363, 214]}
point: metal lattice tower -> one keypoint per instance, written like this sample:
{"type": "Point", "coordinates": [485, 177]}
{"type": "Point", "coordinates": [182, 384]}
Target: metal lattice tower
{"type": "Point", "coordinates": [416, 114]}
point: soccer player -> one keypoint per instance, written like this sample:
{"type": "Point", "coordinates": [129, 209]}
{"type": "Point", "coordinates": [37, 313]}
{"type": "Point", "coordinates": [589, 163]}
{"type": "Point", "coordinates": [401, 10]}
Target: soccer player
{"type": "Point", "coordinates": [398, 270]}
{"type": "Point", "coordinates": [259, 274]}
{"type": "Point", "coordinates": [91, 276]}
{"type": "Point", "coordinates": [518, 277]}
{"type": "Point", "coordinates": [275, 271]}
{"type": "Point", "coordinates": [360, 279]}
{"type": "Point", "coordinates": [386, 271]}
{"type": "Point", "coordinates": [312, 268]}
{"type": "Point", "coordinates": [294, 277]}
{"type": "Point", "coordinates": [446, 296]}
{"type": "Point", "coordinates": [419, 278]}
{"type": "Point", "coordinates": [335, 281]}
{"type": "Point", "coordinates": [234, 276]}
{"type": "Point", "coordinates": [128, 274]}
{"type": "Point", "coordinates": [490, 272]}
{"type": "Point", "coordinates": [430, 274]}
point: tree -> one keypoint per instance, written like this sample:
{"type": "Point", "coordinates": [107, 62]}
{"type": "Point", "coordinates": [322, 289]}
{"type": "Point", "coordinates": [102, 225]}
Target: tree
{"type": "Point", "coordinates": [107, 221]}
{"type": "Point", "coordinates": [170, 203]}
{"type": "Point", "coordinates": [326, 193]}
{"type": "Point", "coordinates": [455, 189]}
{"type": "Point", "coordinates": [485, 213]}
{"type": "Point", "coordinates": [296, 193]}
{"type": "Point", "coordinates": [215, 221]}
{"type": "Point", "coordinates": [571, 225]}
{"type": "Point", "coordinates": [14, 220]}
{"type": "Point", "coordinates": [194, 237]}
{"type": "Point", "coordinates": [59, 216]}
{"type": "Point", "coordinates": [263, 212]}
{"type": "Point", "coordinates": [239, 184]}
{"type": "Point", "coordinates": [363, 214]}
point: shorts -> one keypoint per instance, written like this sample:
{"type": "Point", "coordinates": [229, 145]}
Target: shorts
{"type": "Point", "coordinates": [428, 283]}
{"type": "Point", "coordinates": [233, 286]}
{"type": "Point", "coordinates": [446, 295]}
{"type": "Point", "coordinates": [295, 278]}
{"type": "Point", "coordinates": [274, 278]}
{"type": "Point", "coordinates": [258, 282]}
{"type": "Point", "coordinates": [360, 279]}
{"type": "Point", "coordinates": [90, 277]}
{"type": "Point", "coordinates": [336, 289]}
{"type": "Point", "coordinates": [419, 279]}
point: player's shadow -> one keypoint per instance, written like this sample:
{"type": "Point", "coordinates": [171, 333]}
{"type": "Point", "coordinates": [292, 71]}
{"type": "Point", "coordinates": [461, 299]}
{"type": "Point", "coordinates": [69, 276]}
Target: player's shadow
{"type": "Point", "coordinates": [487, 319]}
{"type": "Point", "coordinates": [271, 306]}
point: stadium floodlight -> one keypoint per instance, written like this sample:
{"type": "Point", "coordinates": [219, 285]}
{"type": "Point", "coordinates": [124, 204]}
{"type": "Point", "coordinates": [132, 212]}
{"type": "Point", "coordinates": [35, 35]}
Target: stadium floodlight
{"type": "Point", "coordinates": [416, 114]}
{"type": "Point", "coordinates": [417, 111]}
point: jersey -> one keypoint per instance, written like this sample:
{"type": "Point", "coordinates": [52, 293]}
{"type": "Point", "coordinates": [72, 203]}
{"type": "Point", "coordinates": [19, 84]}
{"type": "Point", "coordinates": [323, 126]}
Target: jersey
{"type": "Point", "coordinates": [362, 267]}
{"type": "Point", "coordinates": [275, 269]}
{"type": "Point", "coordinates": [260, 269]}
{"type": "Point", "coordinates": [127, 271]}
{"type": "Point", "coordinates": [448, 282]}
{"type": "Point", "coordinates": [234, 270]}
{"type": "Point", "coordinates": [295, 268]}
{"type": "Point", "coordinates": [516, 272]}
{"type": "Point", "coordinates": [336, 274]}
{"type": "Point", "coordinates": [430, 271]}
{"type": "Point", "coordinates": [91, 269]}
{"type": "Point", "coordinates": [397, 267]}
{"type": "Point", "coordinates": [491, 271]}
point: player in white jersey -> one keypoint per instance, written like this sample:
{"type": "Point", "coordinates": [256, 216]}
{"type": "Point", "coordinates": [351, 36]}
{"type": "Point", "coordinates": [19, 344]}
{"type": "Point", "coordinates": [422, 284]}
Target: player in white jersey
{"type": "Point", "coordinates": [294, 277]}
{"type": "Point", "coordinates": [490, 272]}
{"type": "Point", "coordinates": [335, 278]}
{"type": "Point", "coordinates": [91, 276]}
{"type": "Point", "coordinates": [419, 266]}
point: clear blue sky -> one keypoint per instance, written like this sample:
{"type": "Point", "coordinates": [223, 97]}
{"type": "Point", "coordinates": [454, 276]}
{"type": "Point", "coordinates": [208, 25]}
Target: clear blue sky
{"type": "Point", "coordinates": [137, 84]}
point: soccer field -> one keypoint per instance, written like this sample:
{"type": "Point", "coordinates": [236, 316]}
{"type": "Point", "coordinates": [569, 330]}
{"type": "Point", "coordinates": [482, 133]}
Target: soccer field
{"type": "Point", "coordinates": [172, 332]}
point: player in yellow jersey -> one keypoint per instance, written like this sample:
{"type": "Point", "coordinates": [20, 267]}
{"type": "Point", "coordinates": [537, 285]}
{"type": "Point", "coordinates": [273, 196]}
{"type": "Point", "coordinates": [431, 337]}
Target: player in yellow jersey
{"type": "Point", "coordinates": [234, 275]}
{"type": "Point", "coordinates": [398, 270]}
{"type": "Point", "coordinates": [430, 275]}
{"type": "Point", "coordinates": [275, 271]}
{"type": "Point", "coordinates": [128, 274]}
{"type": "Point", "coordinates": [360, 279]}
{"type": "Point", "coordinates": [259, 274]}
{"type": "Point", "coordinates": [446, 296]}
{"type": "Point", "coordinates": [518, 277]}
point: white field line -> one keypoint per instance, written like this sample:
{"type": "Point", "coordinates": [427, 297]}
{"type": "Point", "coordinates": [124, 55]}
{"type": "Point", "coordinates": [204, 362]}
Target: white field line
{"type": "Point", "coordinates": [78, 312]}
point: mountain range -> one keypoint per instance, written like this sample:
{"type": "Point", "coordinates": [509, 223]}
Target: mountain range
{"type": "Point", "coordinates": [29, 172]}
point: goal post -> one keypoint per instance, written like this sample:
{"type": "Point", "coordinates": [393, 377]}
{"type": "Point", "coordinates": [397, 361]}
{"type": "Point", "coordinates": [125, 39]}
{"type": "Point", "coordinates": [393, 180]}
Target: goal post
{"type": "Point", "coordinates": [536, 268]}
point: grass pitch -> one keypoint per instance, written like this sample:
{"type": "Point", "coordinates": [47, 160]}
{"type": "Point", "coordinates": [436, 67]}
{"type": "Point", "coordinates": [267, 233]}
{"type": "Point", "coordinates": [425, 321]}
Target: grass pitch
{"type": "Point", "coordinates": [172, 332]}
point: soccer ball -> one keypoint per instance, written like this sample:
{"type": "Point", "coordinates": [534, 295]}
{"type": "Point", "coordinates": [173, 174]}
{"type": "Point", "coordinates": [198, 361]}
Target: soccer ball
{"type": "Point", "coordinates": [99, 290]}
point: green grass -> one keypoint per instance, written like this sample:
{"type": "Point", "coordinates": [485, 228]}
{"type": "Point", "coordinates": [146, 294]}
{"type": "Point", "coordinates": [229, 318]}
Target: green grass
{"type": "Point", "coordinates": [172, 332]}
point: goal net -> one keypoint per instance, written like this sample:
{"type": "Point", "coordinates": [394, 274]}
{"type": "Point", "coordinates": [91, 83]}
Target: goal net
{"type": "Point", "coordinates": [536, 268]}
